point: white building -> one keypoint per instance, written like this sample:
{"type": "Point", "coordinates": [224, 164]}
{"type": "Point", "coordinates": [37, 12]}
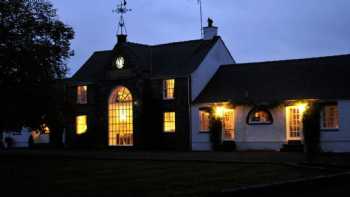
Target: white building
{"type": "Point", "coordinates": [262, 104]}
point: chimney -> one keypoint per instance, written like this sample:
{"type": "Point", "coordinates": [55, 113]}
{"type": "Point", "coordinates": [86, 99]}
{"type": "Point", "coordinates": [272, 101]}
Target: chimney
{"type": "Point", "coordinates": [121, 38]}
{"type": "Point", "coordinates": [211, 31]}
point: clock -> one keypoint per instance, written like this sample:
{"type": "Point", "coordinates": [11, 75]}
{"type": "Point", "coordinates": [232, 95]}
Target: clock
{"type": "Point", "coordinates": [119, 62]}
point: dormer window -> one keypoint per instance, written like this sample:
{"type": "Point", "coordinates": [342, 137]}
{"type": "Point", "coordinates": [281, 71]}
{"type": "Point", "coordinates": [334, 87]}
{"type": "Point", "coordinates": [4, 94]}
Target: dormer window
{"type": "Point", "coordinates": [168, 89]}
{"type": "Point", "coordinates": [82, 95]}
{"type": "Point", "coordinates": [120, 62]}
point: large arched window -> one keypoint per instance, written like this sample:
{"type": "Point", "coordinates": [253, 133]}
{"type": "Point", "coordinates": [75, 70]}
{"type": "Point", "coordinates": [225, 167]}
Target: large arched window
{"type": "Point", "coordinates": [259, 116]}
{"type": "Point", "coordinates": [120, 118]}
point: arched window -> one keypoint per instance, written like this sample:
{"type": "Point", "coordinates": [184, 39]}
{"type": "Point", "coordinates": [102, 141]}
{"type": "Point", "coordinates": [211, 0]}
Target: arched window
{"type": "Point", "coordinates": [259, 116]}
{"type": "Point", "coordinates": [120, 115]}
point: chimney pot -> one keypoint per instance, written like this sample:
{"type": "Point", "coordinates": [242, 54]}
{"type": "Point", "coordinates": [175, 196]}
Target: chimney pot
{"type": "Point", "coordinates": [210, 31]}
{"type": "Point", "coordinates": [122, 38]}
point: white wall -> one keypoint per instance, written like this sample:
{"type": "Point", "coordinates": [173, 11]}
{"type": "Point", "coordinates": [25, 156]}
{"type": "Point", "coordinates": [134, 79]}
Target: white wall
{"type": "Point", "coordinates": [200, 141]}
{"type": "Point", "coordinates": [247, 137]}
{"type": "Point", "coordinates": [272, 137]}
{"type": "Point", "coordinates": [217, 56]}
{"type": "Point", "coordinates": [338, 140]}
{"type": "Point", "coordinates": [260, 137]}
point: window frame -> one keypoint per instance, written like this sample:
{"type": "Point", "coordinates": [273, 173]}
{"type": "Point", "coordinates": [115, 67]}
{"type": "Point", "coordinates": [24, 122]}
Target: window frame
{"type": "Point", "coordinates": [322, 118]}
{"type": "Point", "coordinates": [259, 109]}
{"type": "Point", "coordinates": [79, 99]}
{"type": "Point", "coordinates": [174, 122]}
{"type": "Point", "coordinates": [165, 89]}
{"type": "Point", "coordinates": [204, 110]}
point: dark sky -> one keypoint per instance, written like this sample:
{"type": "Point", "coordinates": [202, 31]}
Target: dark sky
{"type": "Point", "coordinates": [254, 30]}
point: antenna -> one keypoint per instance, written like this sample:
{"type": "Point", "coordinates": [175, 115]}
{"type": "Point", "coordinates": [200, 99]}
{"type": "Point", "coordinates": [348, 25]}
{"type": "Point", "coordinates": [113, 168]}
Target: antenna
{"type": "Point", "coordinates": [201, 15]}
{"type": "Point", "coordinates": [121, 10]}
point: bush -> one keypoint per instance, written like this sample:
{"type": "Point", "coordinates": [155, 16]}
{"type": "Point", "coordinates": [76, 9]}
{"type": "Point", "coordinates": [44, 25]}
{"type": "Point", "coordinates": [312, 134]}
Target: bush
{"type": "Point", "coordinates": [216, 137]}
{"type": "Point", "coordinates": [9, 142]}
{"type": "Point", "coordinates": [215, 133]}
{"type": "Point", "coordinates": [312, 130]}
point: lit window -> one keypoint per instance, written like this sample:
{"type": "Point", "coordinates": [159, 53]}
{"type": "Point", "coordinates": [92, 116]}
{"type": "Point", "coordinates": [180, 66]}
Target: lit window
{"type": "Point", "coordinates": [45, 129]}
{"type": "Point", "coordinates": [169, 122]}
{"type": "Point", "coordinates": [168, 89]}
{"type": "Point", "coordinates": [229, 124]}
{"type": "Point", "coordinates": [204, 120]}
{"type": "Point", "coordinates": [82, 94]}
{"type": "Point", "coordinates": [120, 118]}
{"type": "Point", "coordinates": [81, 123]}
{"type": "Point", "coordinates": [259, 116]}
{"type": "Point", "coordinates": [330, 117]}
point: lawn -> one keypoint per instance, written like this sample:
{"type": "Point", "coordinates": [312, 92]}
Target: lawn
{"type": "Point", "coordinates": [84, 177]}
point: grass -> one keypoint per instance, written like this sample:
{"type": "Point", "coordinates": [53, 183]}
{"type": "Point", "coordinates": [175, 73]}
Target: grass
{"type": "Point", "coordinates": [65, 177]}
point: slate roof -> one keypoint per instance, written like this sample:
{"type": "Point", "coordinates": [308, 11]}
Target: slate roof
{"type": "Point", "coordinates": [173, 59]}
{"type": "Point", "coordinates": [314, 78]}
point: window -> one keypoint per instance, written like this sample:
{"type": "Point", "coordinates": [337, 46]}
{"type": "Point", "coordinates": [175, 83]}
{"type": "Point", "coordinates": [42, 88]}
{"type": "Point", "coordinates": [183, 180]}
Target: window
{"type": "Point", "coordinates": [82, 94]}
{"type": "Point", "coordinates": [330, 117]}
{"type": "Point", "coordinates": [259, 116]}
{"type": "Point", "coordinates": [168, 89]}
{"type": "Point", "coordinates": [229, 125]}
{"type": "Point", "coordinates": [169, 122]}
{"type": "Point", "coordinates": [81, 123]}
{"type": "Point", "coordinates": [204, 120]}
{"type": "Point", "coordinates": [120, 113]}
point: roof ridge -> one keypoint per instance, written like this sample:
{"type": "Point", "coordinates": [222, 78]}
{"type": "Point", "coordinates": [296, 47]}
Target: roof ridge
{"type": "Point", "coordinates": [178, 42]}
{"type": "Point", "coordinates": [287, 60]}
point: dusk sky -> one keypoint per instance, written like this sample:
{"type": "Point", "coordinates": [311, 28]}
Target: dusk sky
{"type": "Point", "coordinates": [253, 30]}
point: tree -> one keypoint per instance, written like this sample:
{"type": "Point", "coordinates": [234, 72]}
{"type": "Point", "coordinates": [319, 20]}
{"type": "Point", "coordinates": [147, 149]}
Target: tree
{"type": "Point", "coordinates": [34, 48]}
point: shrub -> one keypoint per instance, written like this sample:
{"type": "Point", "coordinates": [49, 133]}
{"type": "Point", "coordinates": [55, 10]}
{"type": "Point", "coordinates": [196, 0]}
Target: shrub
{"type": "Point", "coordinates": [215, 132]}
{"type": "Point", "coordinates": [312, 130]}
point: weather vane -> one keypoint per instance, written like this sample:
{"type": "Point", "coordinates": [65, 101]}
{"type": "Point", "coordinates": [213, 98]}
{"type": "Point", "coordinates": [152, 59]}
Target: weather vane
{"type": "Point", "coordinates": [121, 10]}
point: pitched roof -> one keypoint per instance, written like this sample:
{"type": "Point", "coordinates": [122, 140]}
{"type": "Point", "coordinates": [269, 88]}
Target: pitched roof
{"type": "Point", "coordinates": [173, 59]}
{"type": "Point", "coordinates": [314, 78]}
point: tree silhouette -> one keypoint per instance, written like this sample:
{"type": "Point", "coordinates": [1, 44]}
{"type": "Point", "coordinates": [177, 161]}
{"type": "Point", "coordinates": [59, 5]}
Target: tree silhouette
{"type": "Point", "coordinates": [34, 48]}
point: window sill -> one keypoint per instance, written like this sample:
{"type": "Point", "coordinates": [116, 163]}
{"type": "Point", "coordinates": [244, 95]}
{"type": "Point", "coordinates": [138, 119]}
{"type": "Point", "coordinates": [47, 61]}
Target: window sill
{"type": "Point", "coordinates": [330, 129]}
{"type": "Point", "coordinates": [168, 132]}
{"type": "Point", "coordinates": [253, 124]}
{"type": "Point", "coordinates": [168, 99]}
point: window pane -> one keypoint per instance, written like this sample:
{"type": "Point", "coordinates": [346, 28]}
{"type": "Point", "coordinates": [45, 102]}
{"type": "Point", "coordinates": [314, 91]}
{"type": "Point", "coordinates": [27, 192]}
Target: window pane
{"type": "Point", "coordinates": [169, 122]}
{"type": "Point", "coordinates": [81, 124]}
{"type": "Point", "coordinates": [169, 88]}
{"type": "Point", "coordinates": [204, 120]}
{"type": "Point", "coordinates": [82, 94]}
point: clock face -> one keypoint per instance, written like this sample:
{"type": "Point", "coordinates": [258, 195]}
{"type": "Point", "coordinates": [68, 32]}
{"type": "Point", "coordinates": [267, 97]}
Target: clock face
{"type": "Point", "coordinates": [119, 62]}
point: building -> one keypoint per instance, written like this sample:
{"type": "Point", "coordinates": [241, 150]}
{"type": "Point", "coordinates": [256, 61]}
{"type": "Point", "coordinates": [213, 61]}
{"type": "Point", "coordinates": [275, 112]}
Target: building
{"type": "Point", "coordinates": [141, 96]}
{"type": "Point", "coordinates": [262, 104]}
{"type": "Point", "coordinates": [164, 96]}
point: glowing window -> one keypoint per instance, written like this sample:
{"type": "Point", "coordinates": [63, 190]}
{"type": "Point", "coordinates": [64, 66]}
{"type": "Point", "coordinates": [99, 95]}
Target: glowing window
{"type": "Point", "coordinates": [81, 123]}
{"type": "Point", "coordinates": [330, 117]}
{"type": "Point", "coordinates": [169, 122]}
{"type": "Point", "coordinates": [229, 124]}
{"type": "Point", "coordinates": [45, 129]}
{"type": "Point", "coordinates": [168, 89]}
{"type": "Point", "coordinates": [259, 116]}
{"type": "Point", "coordinates": [120, 115]}
{"type": "Point", "coordinates": [82, 94]}
{"type": "Point", "coordinates": [204, 120]}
